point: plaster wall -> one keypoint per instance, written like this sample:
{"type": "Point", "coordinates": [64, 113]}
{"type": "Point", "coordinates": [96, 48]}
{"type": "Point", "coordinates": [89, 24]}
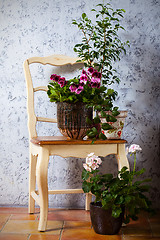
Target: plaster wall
{"type": "Point", "coordinates": [41, 28]}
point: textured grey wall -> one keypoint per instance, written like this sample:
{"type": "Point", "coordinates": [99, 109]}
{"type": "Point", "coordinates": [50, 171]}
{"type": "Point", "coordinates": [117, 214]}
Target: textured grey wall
{"type": "Point", "coordinates": [41, 28]}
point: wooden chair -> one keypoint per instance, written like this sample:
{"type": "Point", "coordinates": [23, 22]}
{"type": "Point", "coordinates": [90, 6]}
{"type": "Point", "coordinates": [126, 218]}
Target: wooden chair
{"type": "Point", "coordinates": [41, 147]}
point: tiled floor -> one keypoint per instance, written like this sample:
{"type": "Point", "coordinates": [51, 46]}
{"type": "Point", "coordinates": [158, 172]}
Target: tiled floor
{"type": "Point", "coordinates": [17, 224]}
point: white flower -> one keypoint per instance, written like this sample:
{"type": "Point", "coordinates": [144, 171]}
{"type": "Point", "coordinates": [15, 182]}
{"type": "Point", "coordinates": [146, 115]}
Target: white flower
{"type": "Point", "coordinates": [87, 167]}
{"type": "Point", "coordinates": [92, 162]}
{"type": "Point", "coordinates": [134, 148]}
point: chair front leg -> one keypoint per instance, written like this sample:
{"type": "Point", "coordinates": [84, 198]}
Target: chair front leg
{"type": "Point", "coordinates": [121, 157]}
{"type": "Point", "coordinates": [32, 182]}
{"type": "Point", "coordinates": [42, 182]}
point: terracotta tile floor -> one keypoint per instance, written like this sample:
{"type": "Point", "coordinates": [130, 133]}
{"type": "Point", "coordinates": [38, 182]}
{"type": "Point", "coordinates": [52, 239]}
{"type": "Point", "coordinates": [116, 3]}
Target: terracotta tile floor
{"type": "Point", "coordinates": [17, 224]}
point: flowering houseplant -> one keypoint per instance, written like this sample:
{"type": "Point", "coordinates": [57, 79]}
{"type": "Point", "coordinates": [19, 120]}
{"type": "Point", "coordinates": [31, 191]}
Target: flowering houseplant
{"type": "Point", "coordinates": [117, 193]}
{"type": "Point", "coordinates": [87, 89]}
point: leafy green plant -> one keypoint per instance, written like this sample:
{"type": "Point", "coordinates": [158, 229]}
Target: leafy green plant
{"type": "Point", "coordinates": [121, 192]}
{"type": "Point", "coordinates": [101, 45]}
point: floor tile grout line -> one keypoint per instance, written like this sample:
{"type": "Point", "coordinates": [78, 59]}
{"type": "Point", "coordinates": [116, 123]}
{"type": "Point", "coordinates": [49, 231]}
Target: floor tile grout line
{"type": "Point", "coordinates": [6, 223]}
{"type": "Point", "coordinates": [60, 236]}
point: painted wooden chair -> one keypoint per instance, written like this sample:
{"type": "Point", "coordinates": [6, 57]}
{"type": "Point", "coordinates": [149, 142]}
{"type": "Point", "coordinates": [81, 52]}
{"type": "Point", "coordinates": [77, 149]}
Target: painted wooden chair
{"type": "Point", "coordinates": [41, 147]}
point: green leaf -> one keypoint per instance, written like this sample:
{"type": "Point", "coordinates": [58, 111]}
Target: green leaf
{"type": "Point", "coordinates": [116, 212]}
{"type": "Point", "coordinates": [86, 186]}
{"type": "Point", "coordinates": [83, 15]}
{"type": "Point", "coordinates": [97, 120]}
{"type": "Point", "coordinates": [88, 121]}
{"type": "Point", "coordinates": [106, 126]}
{"type": "Point", "coordinates": [85, 174]}
{"type": "Point", "coordinates": [102, 136]}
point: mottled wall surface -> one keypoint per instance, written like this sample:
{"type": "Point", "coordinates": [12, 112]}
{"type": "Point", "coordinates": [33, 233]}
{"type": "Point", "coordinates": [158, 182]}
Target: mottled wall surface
{"type": "Point", "coordinates": [41, 28]}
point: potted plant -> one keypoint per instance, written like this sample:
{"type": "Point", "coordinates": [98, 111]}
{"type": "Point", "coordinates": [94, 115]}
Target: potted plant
{"type": "Point", "coordinates": [117, 199]}
{"type": "Point", "coordinates": [75, 100]}
{"type": "Point", "coordinates": [101, 46]}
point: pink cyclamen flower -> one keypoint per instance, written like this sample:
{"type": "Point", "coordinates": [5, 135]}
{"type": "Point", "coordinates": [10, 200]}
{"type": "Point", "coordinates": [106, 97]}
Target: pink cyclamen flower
{"type": "Point", "coordinates": [134, 148]}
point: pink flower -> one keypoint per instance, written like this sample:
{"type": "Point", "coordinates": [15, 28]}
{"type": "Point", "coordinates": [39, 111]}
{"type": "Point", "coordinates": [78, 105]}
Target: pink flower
{"type": "Point", "coordinates": [95, 82]}
{"type": "Point", "coordinates": [87, 167]}
{"type": "Point", "coordinates": [83, 78]}
{"type": "Point", "coordinates": [96, 74]}
{"type": "Point", "coordinates": [73, 87]}
{"type": "Point", "coordinates": [84, 72]}
{"type": "Point", "coordinates": [62, 82]}
{"type": "Point", "coordinates": [79, 89]}
{"type": "Point", "coordinates": [134, 148]}
{"type": "Point", "coordinates": [90, 70]}
{"type": "Point", "coordinates": [55, 77]}
{"type": "Point", "coordinates": [92, 162]}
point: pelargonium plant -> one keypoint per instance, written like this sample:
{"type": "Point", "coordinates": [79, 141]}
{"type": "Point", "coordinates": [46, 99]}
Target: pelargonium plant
{"type": "Point", "coordinates": [86, 88]}
{"type": "Point", "coordinates": [124, 191]}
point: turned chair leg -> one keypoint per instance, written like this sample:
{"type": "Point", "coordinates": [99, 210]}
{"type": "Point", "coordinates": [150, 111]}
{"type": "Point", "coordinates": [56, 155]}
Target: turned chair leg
{"type": "Point", "coordinates": [32, 182]}
{"type": "Point", "coordinates": [42, 182]}
{"type": "Point", "coordinates": [121, 157]}
{"type": "Point", "coordinates": [88, 200]}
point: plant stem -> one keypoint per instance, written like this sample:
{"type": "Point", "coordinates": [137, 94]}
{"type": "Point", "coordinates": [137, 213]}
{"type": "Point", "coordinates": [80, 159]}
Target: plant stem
{"type": "Point", "coordinates": [134, 162]}
{"type": "Point", "coordinates": [87, 41]}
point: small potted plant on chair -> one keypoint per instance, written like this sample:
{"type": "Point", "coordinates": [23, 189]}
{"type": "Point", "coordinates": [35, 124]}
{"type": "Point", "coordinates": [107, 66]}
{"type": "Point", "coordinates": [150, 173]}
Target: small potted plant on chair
{"type": "Point", "coordinates": [101, 46]}
{"type": "Point", "coordinates": [117, 199]}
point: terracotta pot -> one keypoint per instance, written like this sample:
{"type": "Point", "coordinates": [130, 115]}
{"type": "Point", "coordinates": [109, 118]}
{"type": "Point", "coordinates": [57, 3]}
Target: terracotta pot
{"type": "Point", "coordinates": [102, 220]}
{"type": "Point", "coordinates": [71, 119]}
{"type": "Point", "coordinates": [117, 130]}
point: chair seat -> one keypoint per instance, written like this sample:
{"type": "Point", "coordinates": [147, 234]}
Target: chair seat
{"type": "Point", "coordinates": [61, 140]}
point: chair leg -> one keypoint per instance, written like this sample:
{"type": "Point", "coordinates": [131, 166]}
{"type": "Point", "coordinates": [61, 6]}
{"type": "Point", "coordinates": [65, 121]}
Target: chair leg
{"type": "Point", "coordinates": [121, 157]}
{"type": "Point", "coordinates": [88, 200]}
{"type": "Point", "coordinates": [32, 182]}
{"type": "Point", "coordinates": [42, 182]}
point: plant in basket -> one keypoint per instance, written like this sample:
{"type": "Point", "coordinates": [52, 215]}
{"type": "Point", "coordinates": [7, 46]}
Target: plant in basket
{"type": "Point", "coordinates": [84, 92]}
{"type": "Point", "coordinates": [117, 199]}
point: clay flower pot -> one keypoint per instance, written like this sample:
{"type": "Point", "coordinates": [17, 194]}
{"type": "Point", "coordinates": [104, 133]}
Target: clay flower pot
{"type": "Point", "coordinates": [102, 220]}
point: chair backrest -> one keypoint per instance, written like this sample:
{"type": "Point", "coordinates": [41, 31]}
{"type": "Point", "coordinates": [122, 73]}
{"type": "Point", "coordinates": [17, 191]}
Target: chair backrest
{"type": "Point", "coordinates": [54, 60]}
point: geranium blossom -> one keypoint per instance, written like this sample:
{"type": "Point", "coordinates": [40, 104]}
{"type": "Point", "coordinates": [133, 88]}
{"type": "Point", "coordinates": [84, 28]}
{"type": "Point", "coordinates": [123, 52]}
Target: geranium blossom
{"type": "Point", "coordinates": [133, 148]}
{"type": "Point", "coordinates": [79, 90]}
{"type": "Point", "coordinates": [62, 82]}
{"type": "Point", "coordinates": [73, 87]}
{"type": "Point", "coordinates": [55, 77]}
{"type": "Point", "coordinates": [92, 162]}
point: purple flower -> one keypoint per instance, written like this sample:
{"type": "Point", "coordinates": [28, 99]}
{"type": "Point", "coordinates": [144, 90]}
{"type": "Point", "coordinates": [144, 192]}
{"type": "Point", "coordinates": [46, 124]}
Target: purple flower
{"type": "Point", "coordinates": [73, 87]}
{"type": "Point", "coordinates": [84, 72]}
{"type": "Point", "coordinates": [62, 82]}
{"type": "Point", "coordinates": [90, 70]}
{"type": "Point", "coordinates": [96, 74]}
{"type": "Point", "coordinates": [95, 83]}
{"type": "Point", "coordinates": [79, 90]}
{"type": "Point", "coordinates": [83, 78]}
{"type": "Point", "coordinates": [55, 77]}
